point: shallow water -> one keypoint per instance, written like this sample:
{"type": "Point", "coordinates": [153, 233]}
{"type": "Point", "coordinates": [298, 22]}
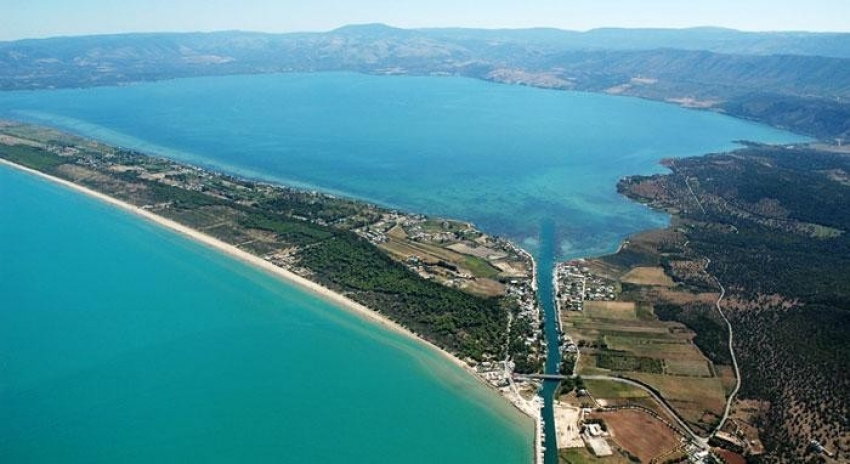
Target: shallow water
{"type": "Point", "coordinates": [123, 342]}
{"type": "Point", "coordinates": [504, 157]}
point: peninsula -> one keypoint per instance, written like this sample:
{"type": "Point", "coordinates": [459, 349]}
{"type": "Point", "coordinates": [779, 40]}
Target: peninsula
{"type": "Point", "coordinates": [468, 294]}
{"type": "Point", "coordinates": [725, 329]}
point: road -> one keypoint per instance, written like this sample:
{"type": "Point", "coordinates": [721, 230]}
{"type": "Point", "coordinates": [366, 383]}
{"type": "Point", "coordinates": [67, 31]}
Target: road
{"type": "Point", "coordinates": [699, 203]}
{"type": "Point", "coordinates": [661, 401]}
{"type": "Point", "coordinates": [734, 393]}
{"type": "Point", "coordinates": [688, 184]}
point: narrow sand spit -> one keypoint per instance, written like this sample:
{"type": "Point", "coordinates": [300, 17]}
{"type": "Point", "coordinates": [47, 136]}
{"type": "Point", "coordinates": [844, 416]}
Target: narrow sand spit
{"type": "Point", "coordinates": [281, 273]}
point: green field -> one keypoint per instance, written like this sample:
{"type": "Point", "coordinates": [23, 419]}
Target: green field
{"type": "Point", "coordinates": [583, 456]}
{"type": "Point", "coordinates": [610, 389]}
{"type": "Point", "coordinates": [659, 353]}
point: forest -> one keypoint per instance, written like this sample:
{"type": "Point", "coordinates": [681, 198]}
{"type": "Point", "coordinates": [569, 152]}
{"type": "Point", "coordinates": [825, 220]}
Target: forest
{"type": "Point", "coordinates": [774, 223]}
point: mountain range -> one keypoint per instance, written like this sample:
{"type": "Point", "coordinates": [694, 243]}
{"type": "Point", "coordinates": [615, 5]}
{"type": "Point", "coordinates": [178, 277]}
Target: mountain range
{"type": "Point", "coordinates": [792, 80]}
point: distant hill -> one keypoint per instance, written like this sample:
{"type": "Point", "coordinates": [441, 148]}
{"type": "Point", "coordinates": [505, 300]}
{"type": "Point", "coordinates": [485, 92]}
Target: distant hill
{"type": "Point", "coordinates": [712, 39]}
{"type": "Point", "coordinates": [742, 73]}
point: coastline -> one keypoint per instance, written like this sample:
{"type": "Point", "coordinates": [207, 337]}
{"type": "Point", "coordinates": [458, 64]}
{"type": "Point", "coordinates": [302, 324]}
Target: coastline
{"type": "Point", "coordinates": [281, 273]}
{"type": "Point", "coordinates": [337, 299]}
{"type": "Point", "coordinates": [539, 425]}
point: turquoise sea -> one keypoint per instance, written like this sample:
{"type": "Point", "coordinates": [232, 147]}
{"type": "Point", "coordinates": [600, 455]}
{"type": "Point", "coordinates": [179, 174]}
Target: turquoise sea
{"type": "Point", "coordinates": [122, 342]}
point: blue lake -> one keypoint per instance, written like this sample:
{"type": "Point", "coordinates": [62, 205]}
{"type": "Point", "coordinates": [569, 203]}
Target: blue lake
{"type": "Point", "coordinates": [504, 157]}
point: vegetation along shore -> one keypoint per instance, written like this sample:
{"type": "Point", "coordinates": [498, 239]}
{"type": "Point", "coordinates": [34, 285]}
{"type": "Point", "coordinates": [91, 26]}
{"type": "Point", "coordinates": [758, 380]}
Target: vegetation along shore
{"type": "Point", "coordinates": [702, 339]}
{"type": "Point", "coordinates": [460, 291]}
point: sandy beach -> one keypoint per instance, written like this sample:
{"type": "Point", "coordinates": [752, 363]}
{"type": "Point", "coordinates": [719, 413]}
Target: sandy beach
{"type": "Point", "coordinates": [281, 273]}
{"type": "Point", "coordinates": [243, 256]}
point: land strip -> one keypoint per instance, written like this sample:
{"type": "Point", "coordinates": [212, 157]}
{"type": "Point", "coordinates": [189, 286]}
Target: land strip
{"type": "Point", "coordinates": [239, 254]}
{"type": "Point", "coordinates": [326, 245]}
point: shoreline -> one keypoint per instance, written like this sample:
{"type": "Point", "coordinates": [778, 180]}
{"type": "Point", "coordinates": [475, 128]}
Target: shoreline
{"type": "Point", "coordinates": [539, 426]}
{"type": "Point", "coordinates": [278, 272]}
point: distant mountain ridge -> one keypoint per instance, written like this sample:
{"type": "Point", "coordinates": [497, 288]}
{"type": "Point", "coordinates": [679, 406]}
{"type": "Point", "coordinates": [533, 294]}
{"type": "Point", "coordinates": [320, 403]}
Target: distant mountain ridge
{"type": "Point", "coordinates": [715, 39]}
{"type": "Point", "coordinates": [741, 73]}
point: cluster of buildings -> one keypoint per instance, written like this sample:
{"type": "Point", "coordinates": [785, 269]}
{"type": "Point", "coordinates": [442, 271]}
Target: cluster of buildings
{"type": "Point", "coordinates": [62, 150]}
{"type": "Point", "coordinates": [155, 169]}
{"type": "Point", "coordinates": [524, 289]}
{"type": "Point", "coordinates": [416, 231]}
{"type": "Point", "coordinates": [377, 231]}
{"type": "Point", "coordinates": [728, 441]}
{"type": "Point", "coordinates": [497, 373]}
{"type": "Point", "coordinates": [372, 235]}
{"type": "Point", "coordinates": [413, 226]}
{"type": "Point", "coordinates": [526, 296]}
{"type": "Point", "coordinates": [740, 437]}
{"type": "Point", "coordinates": [594, 435]}
{"type": "Point", "coordinates": [576, 284]}
{"type": "Point", "coordinates": [431, 247]}
{"type": "Point", "coordinates": [698, 455]}
{"type": "Point", "coordinates": [521, 392]}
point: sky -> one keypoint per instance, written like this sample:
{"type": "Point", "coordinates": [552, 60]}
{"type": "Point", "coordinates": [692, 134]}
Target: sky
{"type": "Point", "coordinates": [44, 18]}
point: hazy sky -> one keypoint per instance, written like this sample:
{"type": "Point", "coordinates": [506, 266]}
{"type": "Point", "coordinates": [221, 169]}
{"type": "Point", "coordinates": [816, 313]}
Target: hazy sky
{"type": "Point", "coordinates": [41, 18]}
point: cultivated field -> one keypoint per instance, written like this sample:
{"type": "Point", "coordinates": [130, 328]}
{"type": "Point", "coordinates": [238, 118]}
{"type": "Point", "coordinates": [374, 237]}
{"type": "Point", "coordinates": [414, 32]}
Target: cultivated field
{"type": "Point", "coordinates": [688, 368]}
{"type": "Point", "coordinates": [727, 377]}
{"type": "Point", "coordinates": [700, 401]}
{"type": "Point", "coordinates": [610, 309]}
{"type": "Point", "coordinates": [481, 275]}
{"type": "Point", "coordinates": [583, 456]}
{"type": "Point", "coordinates": [610, 394]}
{"type": "Point", "coordinates": [648, 276]}
{"type": "Point", "coordinates": [609, 390]}
{"type": "Point", "coordinates": [640, 434]}
{"type": "Point", "coordinates": [614, 341]}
